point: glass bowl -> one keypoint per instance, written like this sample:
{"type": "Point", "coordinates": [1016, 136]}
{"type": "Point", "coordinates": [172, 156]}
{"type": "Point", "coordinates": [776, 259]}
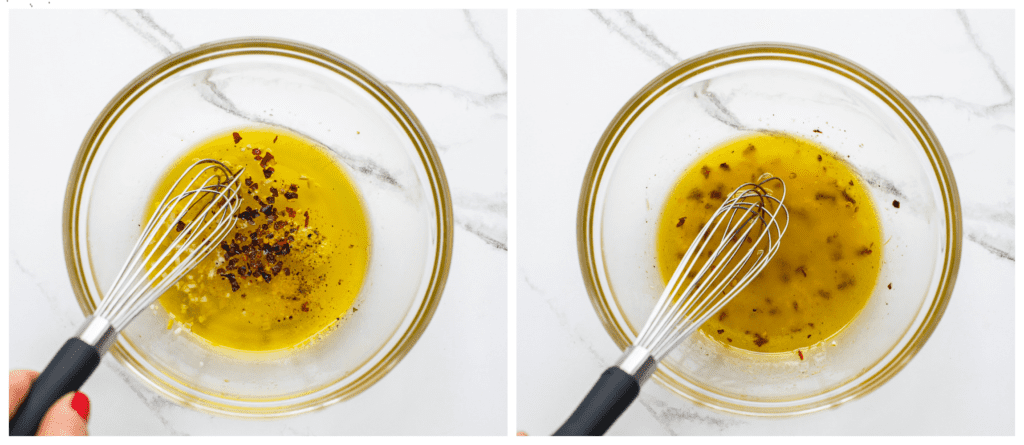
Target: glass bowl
{"type": "Point", "coordinates": [766, 87]}
{"type": "Point", "coordinates": [225, 86]}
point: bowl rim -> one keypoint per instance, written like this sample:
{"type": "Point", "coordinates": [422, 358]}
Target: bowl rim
{"type": "Point", "coordinates": [776, 51]}
{"type": "Point", "coordinates": [269, 46]}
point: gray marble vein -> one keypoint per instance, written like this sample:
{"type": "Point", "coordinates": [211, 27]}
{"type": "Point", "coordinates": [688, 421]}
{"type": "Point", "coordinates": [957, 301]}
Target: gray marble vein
{"type": "Point", "coordinates": [713, 107]}
{"type": "Point", "coordinates": [51, 299]}
{"type": "Point", "coordinates": [669, 416]}
{"type": "Point", "coordinates": [992, 245]}
{"type": "Point", "coordinates": [976, 109]}
{"type": "Point", "coordinates": [478, 99]}
{"type": "Point", "coordinates": [988, 57]}
{"type": "Point", "coordinates": [563, 321]}
{"type": "Point", "coordinates": [992, 227]}
{"type": "Point", "coordinates": [155, 403]}
{"type": "Point", "coordinates": [498, 63]}
{"type": "Point", "coordinates": [484, 216]}
{"type": "Point", "coordinates": [474, 201]}
{"type": "Point", "coordinates": [639, 35]}
{"type": "Point", "coordinates": [143, 24]}
{"type": "Point", "coordinates": [482, 232]}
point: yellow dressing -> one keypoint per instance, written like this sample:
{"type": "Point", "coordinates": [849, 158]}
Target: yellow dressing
{"type": "Point", "coordinates": [295, 280]}
{"type": "Point", "coordinates": [829, 259]}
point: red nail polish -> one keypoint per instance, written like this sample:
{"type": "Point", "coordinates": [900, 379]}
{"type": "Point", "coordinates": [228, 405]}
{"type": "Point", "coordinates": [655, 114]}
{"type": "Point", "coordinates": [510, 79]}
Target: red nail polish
{"type": "Point", "coordinates": [80, 403]}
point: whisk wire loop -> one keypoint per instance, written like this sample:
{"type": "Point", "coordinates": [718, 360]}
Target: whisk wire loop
{"type": "Point", "coordinates": [695, 293]}
{"type": "Point", "coordinates": [183, 229]}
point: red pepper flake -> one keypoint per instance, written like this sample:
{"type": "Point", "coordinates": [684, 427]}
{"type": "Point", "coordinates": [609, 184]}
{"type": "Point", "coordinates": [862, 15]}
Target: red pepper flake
{"type": "Point", "coordinates": [258, 157]}
{"type": "Point", "coordinates": [759, 340]}
{"type": "Point", "coordinates": [275, 139]}
{"type": "Point", "coordinates": [681, 222]}
{"type": "Point", "coordinates": [724, 166]}
{"type": "Point", "coordinates": [848, 198]}
{"type": "Point", "coordinates": [291, 195]}
{"type": "Point", "coordinates": [256, 152]}
{"type": "Point", "coordinates": [819, 158]}
{"type": "Point", "coordinates": [896, 203]}
{"type": "Point", "coordinates": [179, 226]}
{"type": "Point", "coordinates": [890, 286]}
{"type": "Point", "coordinates": [293, 187]}
{"type": "Point", "coordinates": [291, 212]}
{"type": "Point", "coordinates": [817, 130]}
{"type": "Point", "coordinates": [801, 354]}
{"type": "Point", "coordinates": [231, 279]}
{"type": "Point", "coordinates": [269, 157]}
{"type": "Point", "coordinates": [705, 171]}
{"type": "Point", "coordinates": [267, 172]}
{"type": "Point", "coordinates": [802, 271]}
{"type": "Point", "coordinates": [730, 340]}
{"type": "Point", "coordinates": [237, 136]}
{"type": "Point", "coordinates": [306, 213]}
{"type": "Point", "coordinates": [865, 251]}
{"type": "Point", "coordinates": [721, 331]}
{"type": "Point", "coordinates": [305, 306]}
{"type": "Point", "coordinates": [721, 316]}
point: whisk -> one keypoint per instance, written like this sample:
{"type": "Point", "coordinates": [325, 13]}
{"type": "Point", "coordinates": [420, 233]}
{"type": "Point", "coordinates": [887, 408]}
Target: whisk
{"type": "Point", "coordinates": [183, 230]}
{"type": "Point", "coordinates": [695, 292]}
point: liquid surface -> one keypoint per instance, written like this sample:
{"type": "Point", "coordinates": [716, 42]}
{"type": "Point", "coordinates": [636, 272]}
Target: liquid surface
{"type": "Point", "coordinates": [296, 259]}
{"type": "Point", "coordinates": [829, 259]}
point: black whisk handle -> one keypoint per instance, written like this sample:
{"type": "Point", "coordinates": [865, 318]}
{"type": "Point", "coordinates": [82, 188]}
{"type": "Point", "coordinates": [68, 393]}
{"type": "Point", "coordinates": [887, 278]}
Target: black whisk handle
{"type": "Point", "coordinates": [607, 400]}
{"type": "Point", "coordinates": [67, 371]}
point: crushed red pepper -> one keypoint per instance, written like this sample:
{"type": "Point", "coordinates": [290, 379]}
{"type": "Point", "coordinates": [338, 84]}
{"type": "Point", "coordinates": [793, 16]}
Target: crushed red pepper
{"type": "Point", "coordinates": [237, 136]}
{"type": "Point", "coordinates": [896, 203]}
{"type": "Point", "coordinates": [257, 251]}
{"type": "Point", "coordinates": [269, 157]}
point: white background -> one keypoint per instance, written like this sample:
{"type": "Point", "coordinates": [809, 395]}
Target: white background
{"type": "Point", "coordinates": [575, 69]}
{"type": "Point", "coordinates": [449, 66]}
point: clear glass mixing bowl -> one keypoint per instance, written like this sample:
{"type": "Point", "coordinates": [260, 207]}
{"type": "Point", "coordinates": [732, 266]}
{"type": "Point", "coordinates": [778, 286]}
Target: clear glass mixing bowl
{"type": "Point", "coordinates": [220, 87]}
{"type": "Point", "coordinates": [765, 87]}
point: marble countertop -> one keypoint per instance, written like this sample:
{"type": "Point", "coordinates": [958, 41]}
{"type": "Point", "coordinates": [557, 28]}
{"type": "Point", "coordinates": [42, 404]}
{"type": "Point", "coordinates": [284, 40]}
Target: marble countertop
{"type": "Point", "coordinates": [450, 67]}
{"type": "Point", "coordinates": [575, 69]}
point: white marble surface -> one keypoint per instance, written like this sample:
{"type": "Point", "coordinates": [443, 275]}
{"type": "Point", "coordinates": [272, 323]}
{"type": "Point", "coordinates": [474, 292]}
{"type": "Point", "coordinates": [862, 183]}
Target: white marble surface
{"type": "Point", "coordinates": [575, 69]}
{"type": "Point", "coordinates": [450, 66]}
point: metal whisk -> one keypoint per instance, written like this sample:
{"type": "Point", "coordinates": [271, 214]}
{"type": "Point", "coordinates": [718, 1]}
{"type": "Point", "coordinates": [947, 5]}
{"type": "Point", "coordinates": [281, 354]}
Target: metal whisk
{"type": "Point", "coordinates": [695, 292]}
{"type": "Point", "coordinates": [183, 230]}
